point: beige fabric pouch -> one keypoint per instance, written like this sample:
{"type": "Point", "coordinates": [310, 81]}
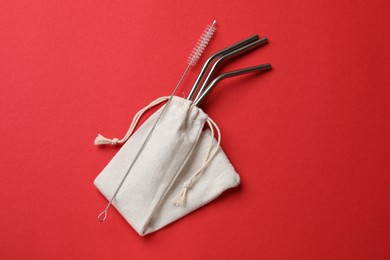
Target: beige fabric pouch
{"type": "Point", "coordinates": [181, 168]}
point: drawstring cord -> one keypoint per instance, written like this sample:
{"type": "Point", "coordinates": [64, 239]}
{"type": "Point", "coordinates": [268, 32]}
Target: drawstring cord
{"type": "Point", "coordinates": [100, 139]}
{"type": "Point", "coordinates": [181, 197]}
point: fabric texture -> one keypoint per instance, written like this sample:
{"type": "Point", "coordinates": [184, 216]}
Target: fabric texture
{"type": "Point", "coordinates": [177, 149]}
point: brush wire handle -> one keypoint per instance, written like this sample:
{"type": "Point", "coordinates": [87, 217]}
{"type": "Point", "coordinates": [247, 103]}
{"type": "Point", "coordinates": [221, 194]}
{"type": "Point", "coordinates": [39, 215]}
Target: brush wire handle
{"type": "Point", "coordinates": [193, 58]}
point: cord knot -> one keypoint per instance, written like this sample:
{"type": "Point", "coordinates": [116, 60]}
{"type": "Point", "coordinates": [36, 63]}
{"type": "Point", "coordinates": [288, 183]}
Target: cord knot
{"type": "Point", "coordinates": [114, 141]}
{"type": "Point", "coordinates": [180, 198]}
{"type": "Point", "coordinates": [187, 185]}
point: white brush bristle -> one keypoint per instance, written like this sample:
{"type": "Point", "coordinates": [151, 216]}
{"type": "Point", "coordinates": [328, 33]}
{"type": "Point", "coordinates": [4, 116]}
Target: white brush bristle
{"type": "Point", "coordinates": [201, 44]}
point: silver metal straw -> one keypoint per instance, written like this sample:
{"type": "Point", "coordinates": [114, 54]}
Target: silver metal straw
{"type": "Point", "coordinates": [228, 75]}
{"type": "Point", "coordinates": [216, 55]}
{"type": "Point", "coordinates": [227, 56]}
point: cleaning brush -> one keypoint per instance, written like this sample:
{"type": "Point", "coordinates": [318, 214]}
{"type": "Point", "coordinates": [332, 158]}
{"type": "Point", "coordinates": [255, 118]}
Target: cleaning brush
{"type": "Point", "coordinates": [201, 44]}
{"type": "Point", "coordinates": [197, 51]}
{"type": "Point", "coordinates": [192, 60]}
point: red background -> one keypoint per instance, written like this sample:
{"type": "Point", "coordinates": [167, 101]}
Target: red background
{"type": "Point", "coordinates": [310, 139]}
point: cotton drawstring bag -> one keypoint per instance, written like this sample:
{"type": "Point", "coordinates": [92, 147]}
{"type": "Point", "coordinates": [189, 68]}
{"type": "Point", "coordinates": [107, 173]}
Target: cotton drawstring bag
{"type": "Point", "coordinates": [181, 168]}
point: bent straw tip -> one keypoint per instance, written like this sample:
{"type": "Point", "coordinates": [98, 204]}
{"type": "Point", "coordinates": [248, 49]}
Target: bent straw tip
{"type": "Point", "coordinates": [263, 40]}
